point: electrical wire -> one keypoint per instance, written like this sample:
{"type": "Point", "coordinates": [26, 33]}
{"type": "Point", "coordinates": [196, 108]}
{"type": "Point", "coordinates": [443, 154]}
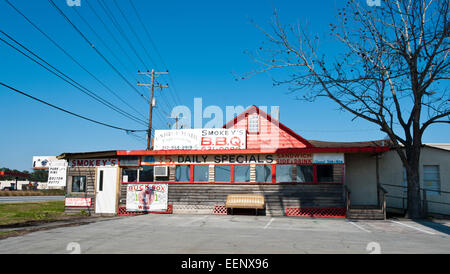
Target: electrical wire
{"type": "Point", "coordinates": [99, 37]}
{"type": "Point", "coordinates": [71, 57]}
{"type": "Point", "coordinates": [135, 34]}
{"type": "Point", "coordinates": [112, 35]}
{"type": "Point", "coordinates": [69, 112]}
{"type": "Point", "coordinates": [69, 80]}
{"type": "Point", "coordinates": [122, 33]}
{"type": "Point", "coordinates": [115, 22]}
{"type": "Point", "coordinates": [96, 50]}
{"type": "Point", "coordinates": [172, 84]}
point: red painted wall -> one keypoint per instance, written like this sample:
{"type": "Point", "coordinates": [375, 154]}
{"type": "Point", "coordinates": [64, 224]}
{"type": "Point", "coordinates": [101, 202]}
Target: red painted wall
{"type": "Point", "coordinates": [270, 135]}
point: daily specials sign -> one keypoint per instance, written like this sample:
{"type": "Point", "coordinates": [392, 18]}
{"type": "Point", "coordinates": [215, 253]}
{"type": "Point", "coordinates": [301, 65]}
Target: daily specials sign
{"type": "Point", "coordinates": [282, 159]}
{"type": "Point", "coordinates": [147, 198]}
{"type": "Point", "coordinates": [208, 159]}
{"type": "Point", "coordinates": [57, 171]}
{"type": "Point", "coordinates": [200, 139]}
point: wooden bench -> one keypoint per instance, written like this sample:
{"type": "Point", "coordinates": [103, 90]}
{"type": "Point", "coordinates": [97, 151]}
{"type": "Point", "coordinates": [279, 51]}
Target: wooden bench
{"type": "Point", "coordinates": [246, 201]}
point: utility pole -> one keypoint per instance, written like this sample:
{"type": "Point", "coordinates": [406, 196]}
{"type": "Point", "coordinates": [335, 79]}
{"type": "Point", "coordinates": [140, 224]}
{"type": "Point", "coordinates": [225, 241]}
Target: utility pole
{"type": "Point", "coordinates": [152, 86]}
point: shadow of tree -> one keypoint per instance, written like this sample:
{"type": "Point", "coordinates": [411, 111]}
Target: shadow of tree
{"type": "Point", "coordinates": [434, 225]}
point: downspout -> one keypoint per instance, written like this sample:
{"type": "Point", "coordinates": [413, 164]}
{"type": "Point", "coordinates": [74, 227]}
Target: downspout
{"type": "Point", "coordinates": [377, 170]}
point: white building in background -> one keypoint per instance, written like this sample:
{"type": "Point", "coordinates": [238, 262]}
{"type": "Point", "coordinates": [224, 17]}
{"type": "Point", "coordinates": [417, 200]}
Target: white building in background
{"type": "Point", "coordinates": [21, 184]}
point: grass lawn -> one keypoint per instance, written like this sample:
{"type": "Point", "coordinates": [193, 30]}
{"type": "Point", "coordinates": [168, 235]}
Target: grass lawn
{"type": "Point", "coordinates": [25, 212]}
{"type": "Point", "coordinates": [8, 233]}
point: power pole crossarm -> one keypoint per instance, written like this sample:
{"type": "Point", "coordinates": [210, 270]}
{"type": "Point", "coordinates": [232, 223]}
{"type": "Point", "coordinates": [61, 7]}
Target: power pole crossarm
{"type": "Point", "coordinates": [176, 121]}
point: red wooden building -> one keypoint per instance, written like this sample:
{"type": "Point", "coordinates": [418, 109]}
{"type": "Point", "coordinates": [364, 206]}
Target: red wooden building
{"type": "Point", "coordinates": [298, 177]}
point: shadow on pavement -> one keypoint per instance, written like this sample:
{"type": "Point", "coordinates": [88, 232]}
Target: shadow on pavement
{"type": "Point", "coordinates": [434, 225]}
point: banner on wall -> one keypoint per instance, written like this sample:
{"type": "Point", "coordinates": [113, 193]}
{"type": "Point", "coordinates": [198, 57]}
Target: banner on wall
{"type": "Point", "coordinates": [77, 202]}
{"type": "Point", "coordinates": [93, 162]}
{"type": "Point", "coordinates": [147, 198]}
{"type": "Point", "coordinates": [328, 158]}
{"type": "Point", "coordinates": [245, 159]}
{"type": "Point", "coordinates": [294, 158]}
{"type": "Point", "coordinates": [200, 139]}
{"type": "Point", "coordinates": [208, 159]}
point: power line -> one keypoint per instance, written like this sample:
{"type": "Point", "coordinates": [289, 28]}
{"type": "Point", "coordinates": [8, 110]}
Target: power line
{"type": "Point", "coordinates": [101, 39]}
{"type": "Point", "coordinates": [157, 52]}
{"type": "Point", "coordinates": [95, 49]}
{"type": "Point", "coordinates": [135, 34]}
{"type": "Point", "coordinates": [122, 33]}
{"type": "Point", "coordinates": [129, 58]}
{"type": "Point", "coordinates": [69, 112]}
{"type": "Point", "coordinates": [69, 80]}
{"type": "Point", "coordinates": [116, 23]}
{"type": "Point", "coordinates": [146, 31]}
{"type": "Point", "coordinates": [112, 35]}
{"type": "Point", "coordinates": [71, 57]}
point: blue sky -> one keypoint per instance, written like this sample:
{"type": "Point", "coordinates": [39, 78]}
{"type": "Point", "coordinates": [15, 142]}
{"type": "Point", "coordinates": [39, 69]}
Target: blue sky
{"type": "Point", "coordinates": [201, 42]}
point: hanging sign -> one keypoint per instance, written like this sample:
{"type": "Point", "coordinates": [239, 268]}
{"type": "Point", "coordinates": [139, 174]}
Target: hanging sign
{"type": "Point", "coordinates": [57, 172]}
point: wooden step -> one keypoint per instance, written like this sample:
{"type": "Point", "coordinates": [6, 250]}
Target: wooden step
{"type": "Point", "coordinates": [365, 214]}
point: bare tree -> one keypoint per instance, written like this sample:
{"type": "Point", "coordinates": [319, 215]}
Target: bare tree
{"type": "Point", "coordinates": [392, 70]}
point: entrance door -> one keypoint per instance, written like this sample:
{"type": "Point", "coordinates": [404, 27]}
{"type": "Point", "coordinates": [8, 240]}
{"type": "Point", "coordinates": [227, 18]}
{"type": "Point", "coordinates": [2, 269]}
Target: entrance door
{"type": "Point", "coordinates": [105, 199]}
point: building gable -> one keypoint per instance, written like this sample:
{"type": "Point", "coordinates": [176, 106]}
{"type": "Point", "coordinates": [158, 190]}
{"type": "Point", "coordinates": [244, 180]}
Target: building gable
{"type": "Point", "coordinates": [265, 132]}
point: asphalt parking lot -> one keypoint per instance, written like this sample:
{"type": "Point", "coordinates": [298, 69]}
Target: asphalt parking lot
{"type": "Point", "coordinates": [212, 234]}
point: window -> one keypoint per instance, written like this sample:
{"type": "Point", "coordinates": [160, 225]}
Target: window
{"type": "Point", "coordinates": [129, 175]}
{"type": "Point", "coordinates": [431, 180]}
{"type": "Point", "coordinates": [100, 183]}
{"type": "Point", "coordinates": [284, 173]}
{"type": "Point", "coordinates": [79, 184]}
{"type": "Point", "coordinates": [253, 124]}
{"type": "Point", "coordinates": [146, 174]}
{"type": "Point", "coordinates": [222, 173]}
{"type": "Point", "coordinates": [183, 173]}
{"type": "Point", "coordinates": [201, 173]}
{"type": "Point", "coordinates": [129, 161]}
{"type": "Point", "coordinates": [325, 173]}
{"type": "Point", "coordinates": [242, 173]}
{"type": "Point", "coordinates": [263, 173]}
{"type": "Point", "coordinates": [304, 174]}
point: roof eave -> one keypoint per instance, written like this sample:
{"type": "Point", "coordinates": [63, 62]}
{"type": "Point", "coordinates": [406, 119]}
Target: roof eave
{"type": "Point", "coordinates": [253, 151]}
